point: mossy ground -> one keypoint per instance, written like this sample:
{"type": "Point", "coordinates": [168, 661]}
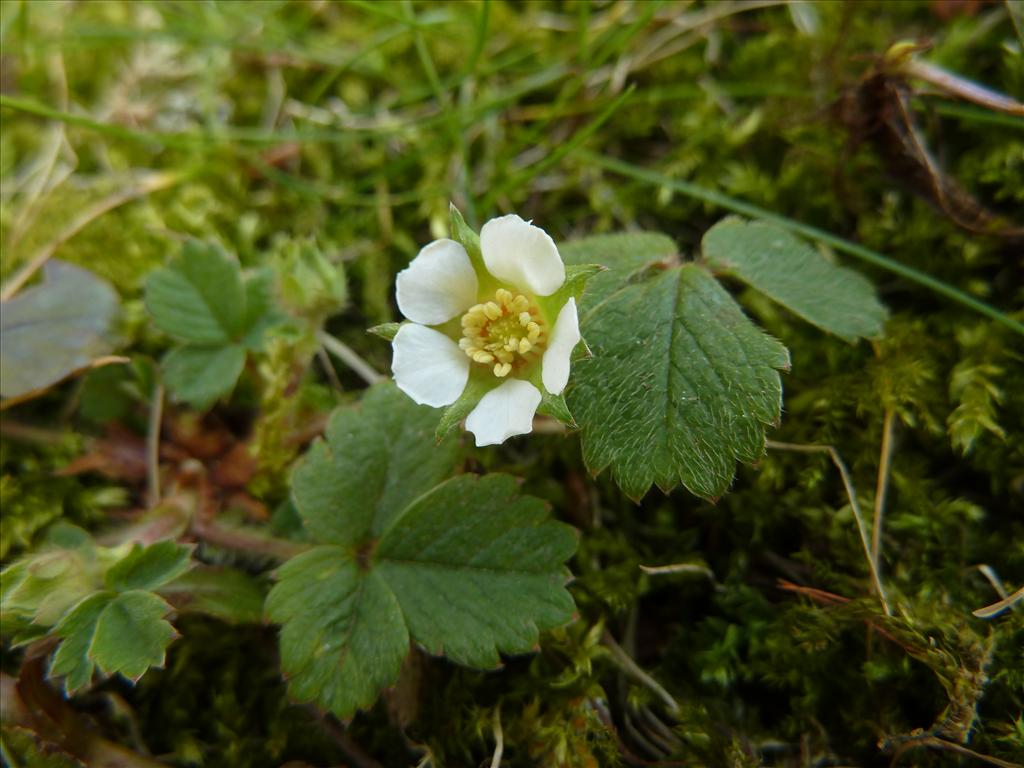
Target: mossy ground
{"type": "Point", "coordinates": [351, 124]}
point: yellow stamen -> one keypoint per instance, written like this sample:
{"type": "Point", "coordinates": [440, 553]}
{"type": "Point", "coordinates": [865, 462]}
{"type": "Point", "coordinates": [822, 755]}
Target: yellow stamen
{"type": "Point", "coordinates": [501, 333]}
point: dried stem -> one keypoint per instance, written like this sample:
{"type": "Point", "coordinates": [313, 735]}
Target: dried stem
{"type": "Point", "coordinates": [156, 415]}
{"type": "Point", "coordinates": [854, 505]}
{"type": "Point", "coordinates": [629, 666]}
{"type": "Point", "coordinates": [499, 738]}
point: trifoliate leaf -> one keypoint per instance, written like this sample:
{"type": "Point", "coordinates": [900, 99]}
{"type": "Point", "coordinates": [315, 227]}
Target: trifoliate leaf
{"type": "Point", "coordinates": [199, 297]}
{"type": "Point", "coordinates": [131, 635]}
{"type": "Point", "coordinates": [478, 569]}
{"type": "Point", "coordinates": [343, 637]}
{"type": "Point", "coordinates": [71, 660]}
{"type": "Point", "coordinates": [467, 568]}
{"type": "Point", "coordinates": [200, 376]}
{"type": "Point", "coordinates": [792, 273]}
{"type": "Point", "coordinates": [149, 567]}
{"type": "Point", "coordinates": [377, 458]}
{"type": "Point", "coordinates": [53, 329]}
{"type": "Point", "coordinates": [123, 633]}
{"type": "Point", "coordinates": [681, 384]}
{"type": "Point", "coordinates": [622, 255]}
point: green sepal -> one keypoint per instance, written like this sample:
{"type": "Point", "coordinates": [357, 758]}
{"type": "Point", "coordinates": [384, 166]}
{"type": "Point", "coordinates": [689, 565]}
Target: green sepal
{"type": "Point", "coordinates": [386, 331]}
{"type": "Point", "coordinates": [556, 407]}
{"type": "Point", "coordinates": [463, 234]}
{"type": "Point", "coordinates": [576, 277]}
{"type": "Point", "coordinates": [475, 389]}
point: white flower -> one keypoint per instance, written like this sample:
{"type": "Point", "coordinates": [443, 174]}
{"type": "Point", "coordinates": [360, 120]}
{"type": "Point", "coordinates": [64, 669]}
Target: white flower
{"type": "Point", "coordinates": [500, 322]}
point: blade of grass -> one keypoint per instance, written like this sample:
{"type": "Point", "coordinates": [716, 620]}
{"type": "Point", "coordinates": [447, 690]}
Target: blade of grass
{"type": "Point", "coordinates": [814, 233]}
{"type": "Point", "coordinates": [454, 120]}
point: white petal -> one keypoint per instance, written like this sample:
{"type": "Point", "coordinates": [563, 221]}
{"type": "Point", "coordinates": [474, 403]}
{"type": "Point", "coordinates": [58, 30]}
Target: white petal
{"type": "Point", "coordinates": [504, 412]}
{"type": "Point", "coordinates": [521, 254]}
{"type": "Point", "coordinates": [428, 366]}
{"type": "Point", "coordinates": [438, 285]}
{"type": "Point", "coordinates": [554, 366]}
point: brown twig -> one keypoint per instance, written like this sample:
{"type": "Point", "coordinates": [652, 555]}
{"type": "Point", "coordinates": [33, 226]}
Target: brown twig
{"type": "Point", "coordinates": [156, 410]}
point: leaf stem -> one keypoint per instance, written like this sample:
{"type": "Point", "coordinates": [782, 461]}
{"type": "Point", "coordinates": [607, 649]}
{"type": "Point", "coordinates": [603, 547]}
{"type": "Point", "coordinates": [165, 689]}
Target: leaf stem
{"type": "Point", "coordinates": [854, 505]}
{"type": "Point", "coordinates": [348, 356]}
{"type": "Point", "coordinates": [814, 233]}
{"type": "Point", "coordinates": [882, 488]}
{"type": "Point", "coordinates": [235, 538]}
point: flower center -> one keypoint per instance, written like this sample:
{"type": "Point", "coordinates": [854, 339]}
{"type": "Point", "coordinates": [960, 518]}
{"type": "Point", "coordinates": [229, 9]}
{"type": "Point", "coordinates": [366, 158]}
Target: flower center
{"type": "Point", "coordinates": [502, 332]}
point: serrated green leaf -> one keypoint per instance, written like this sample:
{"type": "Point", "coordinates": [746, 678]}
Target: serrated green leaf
{"type": "Point", "coordinates": [200, 376]}
{"type": "Point", "coordinates": [149, 567]}
{"type": "Point", "coordinates": [131, 635]}
{"type": "Point", "coordinates": [467, 568]}
{"type": "Point", "coordinates": [792, 273]}
{"type": "Point", "coordinates": [621, 255]}
{"type": "Point", "coordinates": [680, 386]}
{"type": "Point", "coordinates": [77, 628]}
{"type": "Point", "coordinates": [199, 297]}
{"type": "Point", "coordinates": [376, 459]}
{"type": "Point", "coordinates": [343, 637]}
{"type": "Point", "coordinates": [478, 569]}
{"type": "Point", "coordinates": [53, 329]}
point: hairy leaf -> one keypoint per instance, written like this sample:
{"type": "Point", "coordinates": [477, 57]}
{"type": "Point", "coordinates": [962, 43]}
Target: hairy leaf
{"type": "Point", "coordinates": [791, 272]}
{"type": "Point", "coordinates": [343, 637]}
{"type": "Point", "coordinates": [377, 458]}
{"type": "Point", "coordinates": [681, 384]}
{"type": "Point", "coordinates": [468, 568]}
{"type": "Point", "coordinates": [50, 330]}
{"type": "Point", "coordinates": [622, 255]}
{"type": "Point", "coordinates": [478, 569]}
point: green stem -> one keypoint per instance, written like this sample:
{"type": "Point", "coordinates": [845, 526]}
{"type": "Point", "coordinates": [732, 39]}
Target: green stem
{"type": "Point", "coordinates": [814, 233]}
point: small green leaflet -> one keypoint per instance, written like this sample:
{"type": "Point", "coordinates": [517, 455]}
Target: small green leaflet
{"type": "Point", "coordinates": [117, 633]}
{"type": "Point", "coordinates": [200, 375]}
{"type": "Point", "coordinates": [202, 299]}
{"type": "Point", "coordinates": [199, 298]}
{"type": "Point", "coordinates": [681, 384]}
{"type": "Point", "coordinates": [53, 329]}
{"type": "Point", "coordinates": [468, 567]}
{"type": "Point", "coordinates": [794, 274]}
{"type": "Point", "coordinates": [149, 567]}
